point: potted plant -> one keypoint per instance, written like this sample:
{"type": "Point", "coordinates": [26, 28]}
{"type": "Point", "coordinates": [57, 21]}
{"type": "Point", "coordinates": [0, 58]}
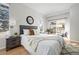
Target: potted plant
{"type": "Point", "coordinates": [48, 30]}
{"type": "Point", "coordinates": [15, 34]}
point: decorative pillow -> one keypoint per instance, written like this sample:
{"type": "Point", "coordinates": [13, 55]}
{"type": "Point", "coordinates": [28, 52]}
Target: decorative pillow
{"type": "Point", "coordinates": [26, 31]}
{"type": "Point", "coordinates": [35, 31]}
{"type": "Point", "coordinates": [31, 32]}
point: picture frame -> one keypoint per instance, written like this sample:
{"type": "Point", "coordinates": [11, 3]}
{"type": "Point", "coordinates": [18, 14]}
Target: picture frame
{"type": "Point", "coordinates": [4, 18]}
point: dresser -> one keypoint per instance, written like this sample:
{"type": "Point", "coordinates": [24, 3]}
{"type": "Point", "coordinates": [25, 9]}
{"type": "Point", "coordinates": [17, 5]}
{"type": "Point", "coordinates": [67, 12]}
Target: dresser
{"type": "Point", "coordinates": [13, 42]}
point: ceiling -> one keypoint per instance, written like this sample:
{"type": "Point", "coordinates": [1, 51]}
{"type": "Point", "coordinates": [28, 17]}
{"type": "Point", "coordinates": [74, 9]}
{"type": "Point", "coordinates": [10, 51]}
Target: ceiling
{"type": "Point", "coordinates": [45, 8]}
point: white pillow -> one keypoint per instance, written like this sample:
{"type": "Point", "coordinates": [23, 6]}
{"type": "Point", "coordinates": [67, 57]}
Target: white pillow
{"type": "Point", "coordinates": [26, 31]}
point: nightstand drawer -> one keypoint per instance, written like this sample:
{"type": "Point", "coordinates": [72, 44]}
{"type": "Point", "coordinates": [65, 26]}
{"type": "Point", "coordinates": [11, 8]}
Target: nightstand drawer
{"type": "Point", "coordinates": [13, 40]}
{"type": "Point", "coordinates": [13, 44]}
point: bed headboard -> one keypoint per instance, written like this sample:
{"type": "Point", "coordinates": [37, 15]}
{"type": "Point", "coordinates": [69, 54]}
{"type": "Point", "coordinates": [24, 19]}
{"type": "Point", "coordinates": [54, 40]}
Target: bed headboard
{"type": "Point", "coordinates": [26, 27]}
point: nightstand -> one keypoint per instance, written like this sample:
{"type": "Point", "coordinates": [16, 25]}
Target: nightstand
{"type": "Point", "coordinates": [13, 42]}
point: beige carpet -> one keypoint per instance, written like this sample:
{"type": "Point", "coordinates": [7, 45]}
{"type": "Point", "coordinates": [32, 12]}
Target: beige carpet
{"type": "Point", "coordinates": [70, 50]}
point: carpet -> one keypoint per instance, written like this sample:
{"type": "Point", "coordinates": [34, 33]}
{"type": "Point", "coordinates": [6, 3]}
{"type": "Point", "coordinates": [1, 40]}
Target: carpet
{"type": "Point", "coordinates": [70, 50]}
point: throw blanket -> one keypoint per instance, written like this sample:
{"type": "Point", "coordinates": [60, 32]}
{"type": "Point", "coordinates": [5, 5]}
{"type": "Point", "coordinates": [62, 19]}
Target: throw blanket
{"type": "Point", "coordinates": [35, 43]}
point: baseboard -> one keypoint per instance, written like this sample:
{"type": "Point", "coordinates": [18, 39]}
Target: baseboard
{"type": "Point", "coordinates": [2, 48]}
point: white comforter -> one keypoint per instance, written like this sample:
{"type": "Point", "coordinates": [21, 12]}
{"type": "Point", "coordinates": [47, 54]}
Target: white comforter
{"type": "Point", "coordinates": [43, 44]}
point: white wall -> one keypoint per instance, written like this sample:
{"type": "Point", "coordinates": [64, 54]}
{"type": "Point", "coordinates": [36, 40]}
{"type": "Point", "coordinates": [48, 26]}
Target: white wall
{"type": "Point", "coordinates": [3, 36]}
{"type": "Point", "coordinates": [74, 22]}
{"type": "Point", "coordinates": [67, 26]}
{"type": "Point", "coordinates": [19, 12]}
{"type": "Point", "coordinates": [2, 40]}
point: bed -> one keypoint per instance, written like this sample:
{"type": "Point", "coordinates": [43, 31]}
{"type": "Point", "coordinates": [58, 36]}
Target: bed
{"type": "Point", "coordinates": [41, 44]}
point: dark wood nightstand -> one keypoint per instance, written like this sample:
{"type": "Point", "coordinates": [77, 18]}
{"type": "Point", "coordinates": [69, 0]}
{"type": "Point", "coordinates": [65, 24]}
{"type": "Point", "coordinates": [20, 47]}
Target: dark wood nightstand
{"type": "Point", "coordinates": [13, 42]}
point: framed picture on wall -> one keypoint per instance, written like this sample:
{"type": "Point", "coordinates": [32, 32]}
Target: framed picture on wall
{"type": "Point", "coordinates": [4, 17]}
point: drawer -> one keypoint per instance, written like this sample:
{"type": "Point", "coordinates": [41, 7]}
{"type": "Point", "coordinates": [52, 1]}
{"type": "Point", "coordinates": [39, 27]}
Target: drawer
{"type": "Point", "coordinates": [13, 45]}
{"type": "Point", "coordinates": [11, 41]}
